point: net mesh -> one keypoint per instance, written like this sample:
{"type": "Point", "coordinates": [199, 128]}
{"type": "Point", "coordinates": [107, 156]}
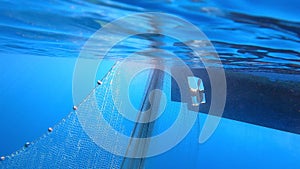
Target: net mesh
{"type": "Point", "coordinates": [69, 145]}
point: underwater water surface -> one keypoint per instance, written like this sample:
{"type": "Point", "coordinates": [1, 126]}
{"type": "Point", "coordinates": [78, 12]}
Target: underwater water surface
{"type": "Point", "coordinates": [257, 41]}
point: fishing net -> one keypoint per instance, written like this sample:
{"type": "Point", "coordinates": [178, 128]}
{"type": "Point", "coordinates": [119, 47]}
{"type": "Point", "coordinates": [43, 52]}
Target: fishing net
{"type": "Point", "coordinates": [72, 143]}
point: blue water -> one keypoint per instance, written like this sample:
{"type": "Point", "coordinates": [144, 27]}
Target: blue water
{"type": "Point", "coordinates": [40, 41]}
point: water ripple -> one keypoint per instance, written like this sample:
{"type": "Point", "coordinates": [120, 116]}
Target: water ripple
{"type": "Point", "coordinates": [242, 39]}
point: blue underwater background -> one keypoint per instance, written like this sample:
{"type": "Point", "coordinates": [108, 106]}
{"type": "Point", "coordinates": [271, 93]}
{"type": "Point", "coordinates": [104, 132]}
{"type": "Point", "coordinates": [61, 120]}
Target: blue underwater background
{"type": "Point", "coordinates": [258, 43]}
